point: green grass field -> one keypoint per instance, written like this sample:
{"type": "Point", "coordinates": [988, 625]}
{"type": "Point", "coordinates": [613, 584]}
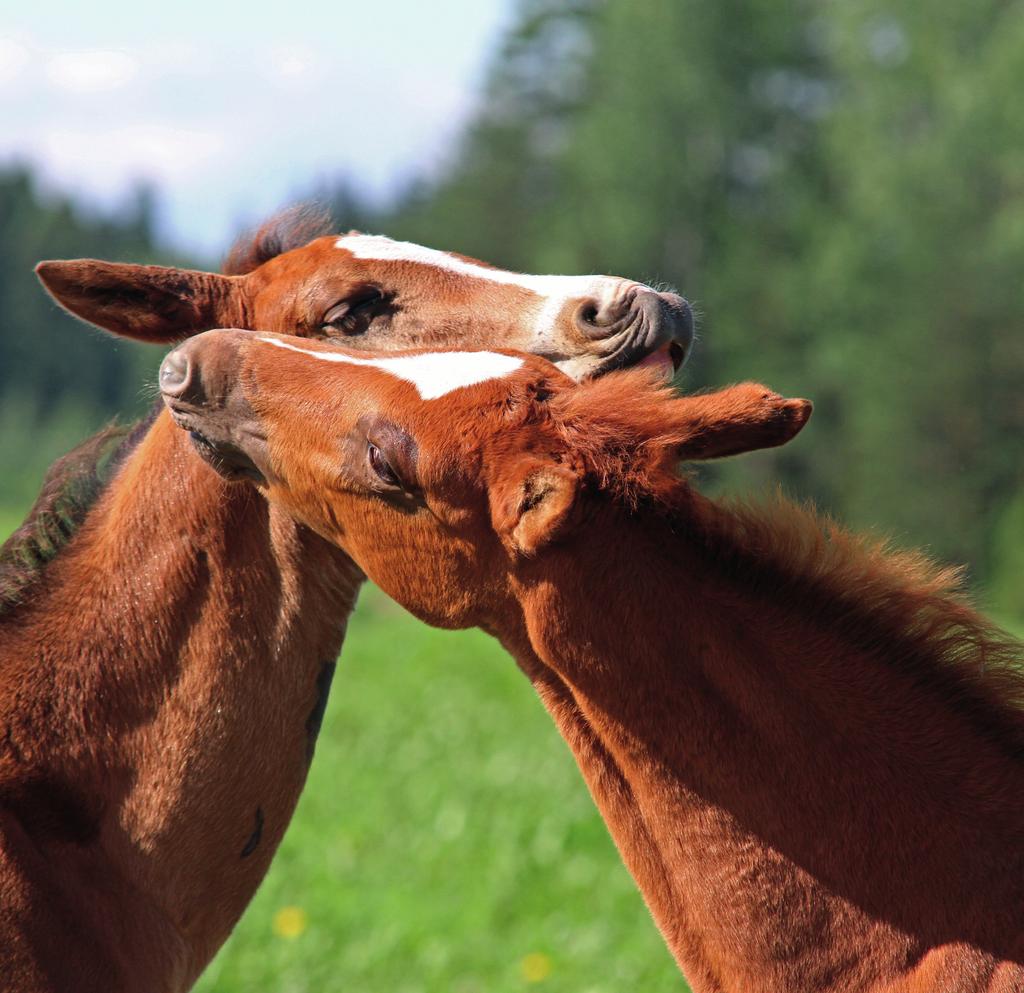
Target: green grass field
{"type": "Point", "coordinates": [445, 842]}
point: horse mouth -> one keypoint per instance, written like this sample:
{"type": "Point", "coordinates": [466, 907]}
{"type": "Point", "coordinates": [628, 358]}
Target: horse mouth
{"type": "Point", "coordinates": [664, 362]}
{"type": "Point", "coordinates": [657, 334]}
{"type": "Point", "coordinates": [225, 459]}
{"type": "Point", "coordinates": [222, 455]}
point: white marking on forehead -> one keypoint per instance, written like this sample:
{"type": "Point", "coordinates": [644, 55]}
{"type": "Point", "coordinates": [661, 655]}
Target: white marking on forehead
{"type": "Point", "coordinates": [434, 374]}
{"type": "Point", "coordinates": [556, 291]}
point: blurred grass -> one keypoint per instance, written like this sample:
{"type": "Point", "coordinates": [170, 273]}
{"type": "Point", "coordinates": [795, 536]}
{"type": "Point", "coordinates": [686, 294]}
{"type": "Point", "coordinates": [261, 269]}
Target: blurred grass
{"type": "Point", "coordinates": [9, 520]}
{"type": "Point", "coordinates": [445, 842]}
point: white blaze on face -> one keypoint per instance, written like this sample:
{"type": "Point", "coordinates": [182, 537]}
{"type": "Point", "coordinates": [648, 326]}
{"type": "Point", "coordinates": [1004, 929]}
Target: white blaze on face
{"type": "Point", "coordinates": [434, 374]}
{"type": "Point", "coordinates": [555, 291]}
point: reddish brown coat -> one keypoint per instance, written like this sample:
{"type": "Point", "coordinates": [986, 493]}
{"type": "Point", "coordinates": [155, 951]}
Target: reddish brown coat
{"type": "Point", "coordinates": [808, 749]}
{"type": "Point", "coordinates": [163, 678]}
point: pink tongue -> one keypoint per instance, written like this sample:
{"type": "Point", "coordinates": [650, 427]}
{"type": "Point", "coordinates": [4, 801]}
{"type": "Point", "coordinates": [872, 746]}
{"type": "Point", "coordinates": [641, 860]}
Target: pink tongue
{"type": "Point", "coordinates": [659, 362]}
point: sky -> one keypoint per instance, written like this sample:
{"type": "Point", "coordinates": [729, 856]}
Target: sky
{"type": "Point", "coordinates": [230, 114]}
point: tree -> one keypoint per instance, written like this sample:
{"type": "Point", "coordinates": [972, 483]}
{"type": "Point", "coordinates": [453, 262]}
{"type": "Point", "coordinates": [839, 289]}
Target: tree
{"type": "Point", "coordinates": [59, 380]}
{"type": "Point", "coordinates": [837, 189]}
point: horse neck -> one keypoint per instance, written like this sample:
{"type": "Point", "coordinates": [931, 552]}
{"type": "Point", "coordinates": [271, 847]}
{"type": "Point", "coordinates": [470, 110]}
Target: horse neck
{"type": "Point", "coordinates": [187, 638]}
{"type": "Point", "coordinates": [608, 782]}
{"type": "Point", "coordinates": [792, 782]}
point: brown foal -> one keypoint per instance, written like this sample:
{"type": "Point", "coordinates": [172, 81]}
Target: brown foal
{"type": "Point", "coordinates": [808, 749]}
{"type": "Point", "coordinates": [167, 639]}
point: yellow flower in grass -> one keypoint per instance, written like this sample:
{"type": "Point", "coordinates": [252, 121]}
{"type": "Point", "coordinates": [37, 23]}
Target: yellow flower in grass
{"type": "Point", "coordinates": [290, 922]}
{"type": "Point", "coordinates": [536, 967]}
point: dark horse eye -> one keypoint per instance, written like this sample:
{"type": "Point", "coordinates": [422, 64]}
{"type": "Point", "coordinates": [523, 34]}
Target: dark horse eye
{"type": "Point", "coordinates": [380, 466]}
{"type": "Point", "coordinates": [350, 317]}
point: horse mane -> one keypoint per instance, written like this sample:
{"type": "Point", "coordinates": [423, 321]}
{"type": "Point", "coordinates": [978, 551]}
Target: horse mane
{"type": "Point", "coordinates": [290, 228]}
{"type": "Point", "coordinates": [893, 605]}
{"type": "Point", "coordinates": [71, 488]}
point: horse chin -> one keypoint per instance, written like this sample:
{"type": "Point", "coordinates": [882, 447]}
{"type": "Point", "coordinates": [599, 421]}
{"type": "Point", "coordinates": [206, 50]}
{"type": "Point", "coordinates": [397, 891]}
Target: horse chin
{"type": "Point", "coordinates": [226, 459]}
{"type": "Point", "coordinates": [219, 441]}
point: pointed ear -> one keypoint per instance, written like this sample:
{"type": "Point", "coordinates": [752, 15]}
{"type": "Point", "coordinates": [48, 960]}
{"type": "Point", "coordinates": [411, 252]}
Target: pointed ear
{"type": "Point", "coordinates": [737, 419]}
{"type": "Point", "coordinates": [144, 302]}
{"type": "Point", "coordinates": [531, 505]}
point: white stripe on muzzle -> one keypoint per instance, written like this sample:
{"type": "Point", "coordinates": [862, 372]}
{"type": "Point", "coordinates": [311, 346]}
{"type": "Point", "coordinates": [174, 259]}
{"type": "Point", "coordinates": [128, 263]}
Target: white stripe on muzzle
{"type": "Point", "coordinates": [434, 374]}
{"type": "Point", "coordinates": [555, 291]}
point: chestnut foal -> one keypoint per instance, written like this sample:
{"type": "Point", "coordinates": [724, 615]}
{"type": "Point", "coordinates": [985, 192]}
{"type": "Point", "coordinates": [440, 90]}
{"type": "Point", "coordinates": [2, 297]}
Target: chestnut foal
{"type": "Point", "coordinates": [164, 670]}
{"type": "Point", "coordinates": [808, 749]}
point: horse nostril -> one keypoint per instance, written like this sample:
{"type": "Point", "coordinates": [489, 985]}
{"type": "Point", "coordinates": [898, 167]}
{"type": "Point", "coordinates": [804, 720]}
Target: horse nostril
{"type": "Point", "coordinates": [597, 320]}
{"type": "Point", "coordinates": [175, 373]}
{"type": "Point", "coordinates": [181, 377]}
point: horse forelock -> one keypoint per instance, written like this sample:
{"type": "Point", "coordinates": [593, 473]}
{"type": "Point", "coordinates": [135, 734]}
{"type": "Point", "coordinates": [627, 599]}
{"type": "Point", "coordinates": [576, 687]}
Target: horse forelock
{"type": "Point", "coordinates": [290, 228]}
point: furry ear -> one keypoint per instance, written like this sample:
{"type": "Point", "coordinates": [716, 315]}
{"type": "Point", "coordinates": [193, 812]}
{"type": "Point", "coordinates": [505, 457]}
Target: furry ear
{"type": "Point", "coordinates": [531, 504]}
{"type": "Point", "coordinates": [737, 419]}
{"type": "Point", "coordinates": [144, 302]}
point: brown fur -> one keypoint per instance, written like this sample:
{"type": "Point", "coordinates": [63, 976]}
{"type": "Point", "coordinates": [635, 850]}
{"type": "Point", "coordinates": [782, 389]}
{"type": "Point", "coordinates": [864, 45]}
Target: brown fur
{"type": "Point", "coordinates": [168, 639]}
{"type": "Point", "coordinates": [807, 747]}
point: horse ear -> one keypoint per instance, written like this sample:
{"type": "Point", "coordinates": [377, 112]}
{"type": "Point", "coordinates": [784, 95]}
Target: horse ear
{"type": "Point", "coordinates": [531, 506]}
{"type": "Point", "coordinates": [737, 419]}
{"type": "Point", "coordinates": [145, 302]}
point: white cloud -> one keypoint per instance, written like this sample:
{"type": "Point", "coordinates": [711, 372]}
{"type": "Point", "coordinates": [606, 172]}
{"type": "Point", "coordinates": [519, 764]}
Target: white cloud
{"type": "Point", "coordinates": [294, 66]}
{"type": "Point", "coordinates": [14, 57]}
{"type": "Point", "coordinates": [91, 72]}
{"type": "Point", "coordinates": [109, 160]}
{"type": "Point", "coordinates": [237, 119]}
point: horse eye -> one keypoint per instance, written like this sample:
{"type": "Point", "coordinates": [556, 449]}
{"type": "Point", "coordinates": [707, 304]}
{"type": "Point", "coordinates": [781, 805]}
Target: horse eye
{"type": "Point", "coordinates": [350, 316]}
{"type": "Point", "coordinates": [365, 301]}
{"type": "Point", "coordinates": [380, 466]}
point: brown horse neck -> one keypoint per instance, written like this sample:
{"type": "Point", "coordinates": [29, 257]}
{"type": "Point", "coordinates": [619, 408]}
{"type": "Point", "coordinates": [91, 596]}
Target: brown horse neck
{"type": "Point", "coordinates": [170, 550]}
{"type": "Point", "coordinates": [174, 717]}
{"type": "Point", "coordinates": [774, 756]}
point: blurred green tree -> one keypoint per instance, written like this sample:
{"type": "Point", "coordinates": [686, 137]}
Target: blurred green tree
{"type": "Point", "coordinates": [59, 379]}
{"type": "Point", "coordinates": [920, 267]}
{"type": "Point", "coordinates": [836, 187]}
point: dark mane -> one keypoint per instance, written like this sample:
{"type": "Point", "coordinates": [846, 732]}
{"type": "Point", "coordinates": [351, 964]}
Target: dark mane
{"type": "Point", "coordinates": [291, 228]}
{"type": "Point", "coordinates": [71, 488]}
{"type": "Point", "coordinates": [897, 607]}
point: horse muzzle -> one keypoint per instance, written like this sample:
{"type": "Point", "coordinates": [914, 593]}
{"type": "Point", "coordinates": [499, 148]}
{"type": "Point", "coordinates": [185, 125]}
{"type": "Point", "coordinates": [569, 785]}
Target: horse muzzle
{"type": "Point", "coordinates": [200, 387]}
{"type": "Point", "coordinates": [638, 327]}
